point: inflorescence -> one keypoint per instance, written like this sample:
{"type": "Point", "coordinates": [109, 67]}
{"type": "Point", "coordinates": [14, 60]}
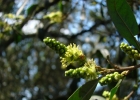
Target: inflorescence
{"type": "Point", "coordinates": [132, 53]}
{"type": "Point", "coordinates": [72, 54]}
{"type": "Point", "coordinates": [86, 68]}
{"type": "Point", "coordinates": [88, 71]}
{"type": "Point", "coordinates": [83, 68]}
{"type": "Point", "coordinates": [55, 45]}
{"type": "Point", "coordinates": [113, 77]}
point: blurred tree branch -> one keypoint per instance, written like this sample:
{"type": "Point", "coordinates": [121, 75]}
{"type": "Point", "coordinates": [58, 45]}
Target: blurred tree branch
{"type": "Point", "coordinates": [5, 44]}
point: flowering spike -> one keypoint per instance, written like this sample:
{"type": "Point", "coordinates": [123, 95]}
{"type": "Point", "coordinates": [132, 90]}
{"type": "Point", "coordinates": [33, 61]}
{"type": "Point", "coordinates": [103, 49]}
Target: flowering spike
{"type": "Point", "coordinates": [113, 77]}
{"type": "Point", "coordinates": [55, 45]}
{"type": "Point", "coordinates": [130, 51]}
{"type": "Point", "coordinates": [88, 71]}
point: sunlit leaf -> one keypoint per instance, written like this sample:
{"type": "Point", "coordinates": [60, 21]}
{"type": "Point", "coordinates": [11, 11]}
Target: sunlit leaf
{"type": "Point", "coordinates": [84, 92]}
{"type": "Point", "coordinates": [114, 90]}
{"type": "Point", "coordinates": [124, 20]}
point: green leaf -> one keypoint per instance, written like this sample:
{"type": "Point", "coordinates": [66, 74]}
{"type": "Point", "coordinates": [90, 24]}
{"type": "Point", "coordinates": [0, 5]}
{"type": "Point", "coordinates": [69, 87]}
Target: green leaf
{"type": "Point", "coordinates": [60, 4]}
{"type": "Point", "coordinates": [31, 9]}
{"type": "Point", "coordinates": [114, 90]}
{"type": "Point", "coordinates": [124, 20]}
{"type": "Point", "coordinates": [84, 92]}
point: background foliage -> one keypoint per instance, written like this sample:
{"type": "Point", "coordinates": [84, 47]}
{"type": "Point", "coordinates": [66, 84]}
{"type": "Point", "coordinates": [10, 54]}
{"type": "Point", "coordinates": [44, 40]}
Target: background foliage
{"type": "Point", "coordinates": [29, 70]}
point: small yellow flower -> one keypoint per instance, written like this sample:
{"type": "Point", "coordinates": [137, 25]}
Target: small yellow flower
{"type": "Point", "coordinates": [73, 55]}
{"type": "Point", "coordinates": [91, 72]}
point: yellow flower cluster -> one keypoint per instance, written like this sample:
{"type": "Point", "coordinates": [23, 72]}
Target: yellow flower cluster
{"type": "Point", "coordinates": [73, 55]}
{"type": "Point", "coordinates": [87, 71]}
{"type": "Point", "coordinates": [55, 17]}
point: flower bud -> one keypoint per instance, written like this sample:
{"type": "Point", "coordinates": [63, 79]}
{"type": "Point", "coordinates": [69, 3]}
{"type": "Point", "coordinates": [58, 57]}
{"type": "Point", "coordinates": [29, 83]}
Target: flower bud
{"type": "Point", "coordinates": [132, 53]}
{"type": "Point", "coordinates": [55, 45]}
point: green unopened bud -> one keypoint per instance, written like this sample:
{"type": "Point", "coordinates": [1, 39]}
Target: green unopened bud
{"type": "Point", "coordinates": [106, 94]}
{"type": "Point", "coordinates": [117, 77]}
{"type": "Point", "coordinates": [69, 72]}
{"type": "Point", "coordinates": [74, 72]}
{"type": "Point", "coordinates": [132, 53]}
{"type": "Point", "coordinates": [115, 73]}
{"type": "Point", "coordinates": [55, 45]}
{"type": "Point", "coordinates": [108, 75]}
{"type": "Point", "coordinates": [115, 97]}
{"type": "Point", "coordinates": [111, 75]}
{"type": "Point", "coordinates": [82, 71]}
{"type": "Point", "coordinates": [87, 71]}
{"type": "Point", "coordinates": [136, 51]}
{"type": "Point", "coordinates": [109, 80]}
{"type": "Point", "coordinates": [103, 80]}
{"type": "Point", "coordinates": [129, 48]}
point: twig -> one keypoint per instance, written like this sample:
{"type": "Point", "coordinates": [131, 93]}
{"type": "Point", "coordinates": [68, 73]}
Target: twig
{"type": "Point", "coordinates": [21, 8]}
{"type": "Point", "coordinates": [129, 95]}
{"type": "Point", "coordinates": [120, 69]}
{"type": "Point", "coordinates": [115, 66]}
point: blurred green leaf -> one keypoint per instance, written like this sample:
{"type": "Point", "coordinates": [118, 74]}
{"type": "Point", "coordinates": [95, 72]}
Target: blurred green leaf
{"type": "Point", "coordinates": [124, 20]}
{"type": "Point", "coordinates": [60, 5]}
{"type": "Point", "coordinates": [114, 90]}
{"type": "Point", "coordinates": [31, 9]}
{"type": "Point", "coordinates": [18, 38]}
{"type": "Point", "coordinates": [84, 92]}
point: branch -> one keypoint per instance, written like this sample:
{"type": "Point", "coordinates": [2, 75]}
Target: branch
{"type": "Point", "coordinates": [118, 69]}
{"type": "Point", "coordinates": [5, 44]}
{"type": "Point", "coordinates": [99, 22]}
{"type": "Point", "coordinates": [126, 68]}
{"type": "Point", "coordinates": [129, 95]}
